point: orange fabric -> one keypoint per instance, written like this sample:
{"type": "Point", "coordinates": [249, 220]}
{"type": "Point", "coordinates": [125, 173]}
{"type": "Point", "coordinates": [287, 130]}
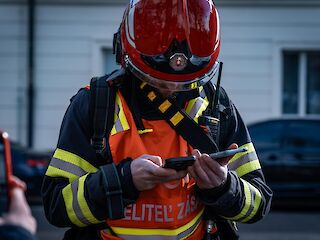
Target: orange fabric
{"type": "Point", "coordinates": [167, 206]}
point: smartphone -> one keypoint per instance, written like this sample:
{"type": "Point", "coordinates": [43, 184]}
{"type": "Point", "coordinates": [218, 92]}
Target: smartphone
{"type": "Point", "coordinates": [228, 153]}
{"type": "Point", "coordinates": [179, 163]}
{"type": "Point", "coordinates": [5, 173]}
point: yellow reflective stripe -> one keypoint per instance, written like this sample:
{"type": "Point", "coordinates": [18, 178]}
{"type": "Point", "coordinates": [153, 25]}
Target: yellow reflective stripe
{"type": "Point", "coordinates": [83, 203]}
{"type": "Point", "coordinates": [76, 206]}
{"type": "Point", "coordinates": [203, 107]}
{"type": "Point", "coordinates": [257, 201]}
{"type": "Point", "coordinates": [145, 131]}
{"type": "Point", "coordinates": [143, 84]}
{"type": "Point", "coordinates": [196, 106]}
{"type": "Point", "coordinates": [202, 93]}
{"type": "Point", "coordinates": [68, 200]}
{"type": "Point", "coordinates": [56, 172]}
{"type": "Point", "coordinates": [152, 95]}
{"type": "Point", "coordinates": [247, 203]}
{"type": "Point", "coordinates": [252, 203]}
{"type": "Point", "coordinates": [248, 167]}
{"type": "Point", "coordinates": [162, 232]}
{"type": "Point", "coordinates": [250, 148]}
{"type": "Point", "coordinates": [74, 159]}
{"type": "Point", "coordinates": [176, 118]}
{"type": "Point", "coordinates": [190, 105]}
{"type": "Point", "coordinates": [164, 106]}
{"type": "Point", "coordinates": [119, 117]}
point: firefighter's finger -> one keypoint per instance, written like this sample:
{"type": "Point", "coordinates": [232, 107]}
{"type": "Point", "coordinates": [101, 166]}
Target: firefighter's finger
{"type": "Point", "coordinates": [155, 159]}
{"type": "Point", "coordinates": [216, 173]}
{"type": "Point", "coordinates": [165, 172]}
{"type": "Point", "coordinates": [225, 161]}
{"type": "Point", "coordinates": [211, 165]}
{"type": "Point", "coordinates": [199, 171]}
{"type": "Point", "coordinates": [196, 153]}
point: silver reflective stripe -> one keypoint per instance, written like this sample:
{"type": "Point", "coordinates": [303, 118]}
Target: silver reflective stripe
{"type": "Point", "coordinates": [75, 203]}
{"type": "Point", "coordinates": [251, 156]}
{"type": "Point", "coordinates": [253, 196]}
{"type": "Point", "coordinates": [189, 230]}
{"type": "Point", "coordinates": [66, 166]}
{"type": "Point", "coordinates": [118, 125]}
{"type": "Point", "coordinates": [202, 92]}
{"type": "Point", "coordinates": [196, 107]}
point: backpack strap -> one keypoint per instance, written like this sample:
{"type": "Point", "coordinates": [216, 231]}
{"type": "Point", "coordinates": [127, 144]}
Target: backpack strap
{"type": "Point", "coordinates": [102, 105]}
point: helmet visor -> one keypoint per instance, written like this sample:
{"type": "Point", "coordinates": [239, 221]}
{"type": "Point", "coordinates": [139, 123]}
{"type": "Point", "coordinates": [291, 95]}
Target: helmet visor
{"type": "Point", "coordinates": [171, 85]}
{"type": "Point", "coordinates": [153, 25]}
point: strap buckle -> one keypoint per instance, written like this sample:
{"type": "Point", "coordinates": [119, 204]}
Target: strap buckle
{"type": "Point", "coordinates": [98, 144]}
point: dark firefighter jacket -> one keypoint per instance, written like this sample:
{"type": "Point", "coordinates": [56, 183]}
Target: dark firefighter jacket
{"type": "Point", "coordinates": [245, 197]}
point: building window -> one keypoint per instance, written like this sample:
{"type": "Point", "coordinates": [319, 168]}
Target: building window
{"type": "Point", "coordinates": [109, 61]}
{"type": "Point", "coordinates": [301, 83]}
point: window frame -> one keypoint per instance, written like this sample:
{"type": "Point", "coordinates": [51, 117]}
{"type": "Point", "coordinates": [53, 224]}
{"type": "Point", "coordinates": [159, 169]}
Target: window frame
{"type": "Point", "coordinates": [97, 60]}
{"type": "Point", "coordinates": [302, 48]}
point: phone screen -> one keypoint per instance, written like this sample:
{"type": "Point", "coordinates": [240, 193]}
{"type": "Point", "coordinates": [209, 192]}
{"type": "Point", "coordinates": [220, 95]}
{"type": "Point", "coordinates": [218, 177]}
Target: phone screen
{"type": "Point", "coordinates": [4, 194]}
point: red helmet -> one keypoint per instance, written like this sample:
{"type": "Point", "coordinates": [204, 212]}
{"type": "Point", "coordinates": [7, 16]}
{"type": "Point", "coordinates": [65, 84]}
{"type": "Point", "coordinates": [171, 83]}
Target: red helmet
{"type": "Point", "coordinates": [171, 44]}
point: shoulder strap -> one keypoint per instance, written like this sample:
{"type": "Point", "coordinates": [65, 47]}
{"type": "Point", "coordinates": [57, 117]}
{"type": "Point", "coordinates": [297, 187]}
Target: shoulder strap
{"type": "Point", "coordinates": [103, 90]}
{"type": "Point", "coordinates": [180, 121]}
{"type": "Point", "coordinates": [102, 105]}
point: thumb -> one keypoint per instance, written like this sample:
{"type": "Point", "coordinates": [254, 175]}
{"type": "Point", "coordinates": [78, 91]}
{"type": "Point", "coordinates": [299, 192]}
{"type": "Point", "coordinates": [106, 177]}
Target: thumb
{"type": "Point", "coordinates": [225, 161]}
{"type": "Point", "coordinates": [155, 159]}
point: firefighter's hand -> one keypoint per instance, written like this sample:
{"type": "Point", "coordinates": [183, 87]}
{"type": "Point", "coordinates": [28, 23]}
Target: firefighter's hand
{"type": "Point", "coordinates": [147, 172]}
{"type": "Point", "coordinates": [207, 172]}
{"type": "Point", "coordinates": [19, 212]}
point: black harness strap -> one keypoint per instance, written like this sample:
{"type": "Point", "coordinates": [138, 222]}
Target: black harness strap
{"type": "Point", "coordinates": [102, 90]}
{"type": "Point", "coordinates": [179, 120]}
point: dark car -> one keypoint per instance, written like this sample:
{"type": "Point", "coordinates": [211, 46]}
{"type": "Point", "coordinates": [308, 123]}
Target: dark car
{"type": "Point", "coordinates": [289, 151]}
{"type": "Point", "coordinates": [30, 166]}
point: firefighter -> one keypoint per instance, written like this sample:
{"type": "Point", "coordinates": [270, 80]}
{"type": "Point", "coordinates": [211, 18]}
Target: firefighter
{"type": "Point", "coordinates": [168, 50]}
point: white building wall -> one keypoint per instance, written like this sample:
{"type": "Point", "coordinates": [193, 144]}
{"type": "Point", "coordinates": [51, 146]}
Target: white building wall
{"type": "Point", "coordinates": [70, 37]}
{"type": "Point", "coordinates": [69, 41]}
{"type": "Point", "coordinates": [252, 41]}
{"type": "Point", "coordinates": [13, 70]}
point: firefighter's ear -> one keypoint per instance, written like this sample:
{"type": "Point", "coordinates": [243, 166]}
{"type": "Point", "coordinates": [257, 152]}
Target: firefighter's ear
{"type": "Point", "coordinates": [117, 48]}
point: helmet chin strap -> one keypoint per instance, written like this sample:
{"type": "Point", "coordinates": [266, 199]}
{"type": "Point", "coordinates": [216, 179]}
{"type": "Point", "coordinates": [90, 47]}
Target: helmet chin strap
{"type": "Point", "coordinates": [170, 86]}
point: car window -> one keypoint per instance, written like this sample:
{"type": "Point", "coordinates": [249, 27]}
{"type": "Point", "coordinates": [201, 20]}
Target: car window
{"type": "Point", "coordinates": [267, 135]}
{"type": "Point", "coordinates": [304, 134]}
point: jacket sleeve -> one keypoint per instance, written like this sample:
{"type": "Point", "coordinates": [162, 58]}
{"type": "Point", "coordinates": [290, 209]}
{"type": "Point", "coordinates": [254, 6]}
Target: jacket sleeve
{"type": "Point", "coordinates": [76, 187]}
{"type": "Point", "coordinates": [15, 232]}
{"type": "Point", "coordinates": [245, 197]}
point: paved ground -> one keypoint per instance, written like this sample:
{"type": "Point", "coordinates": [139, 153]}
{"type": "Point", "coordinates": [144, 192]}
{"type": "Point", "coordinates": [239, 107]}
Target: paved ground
{"type": "Point", "coordinates": [276, 226]}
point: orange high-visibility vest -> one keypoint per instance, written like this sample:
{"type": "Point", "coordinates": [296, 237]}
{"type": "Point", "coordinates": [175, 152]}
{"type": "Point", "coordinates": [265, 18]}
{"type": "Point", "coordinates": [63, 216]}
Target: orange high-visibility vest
{"type": "Point", "coordinates": [170, 210]}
